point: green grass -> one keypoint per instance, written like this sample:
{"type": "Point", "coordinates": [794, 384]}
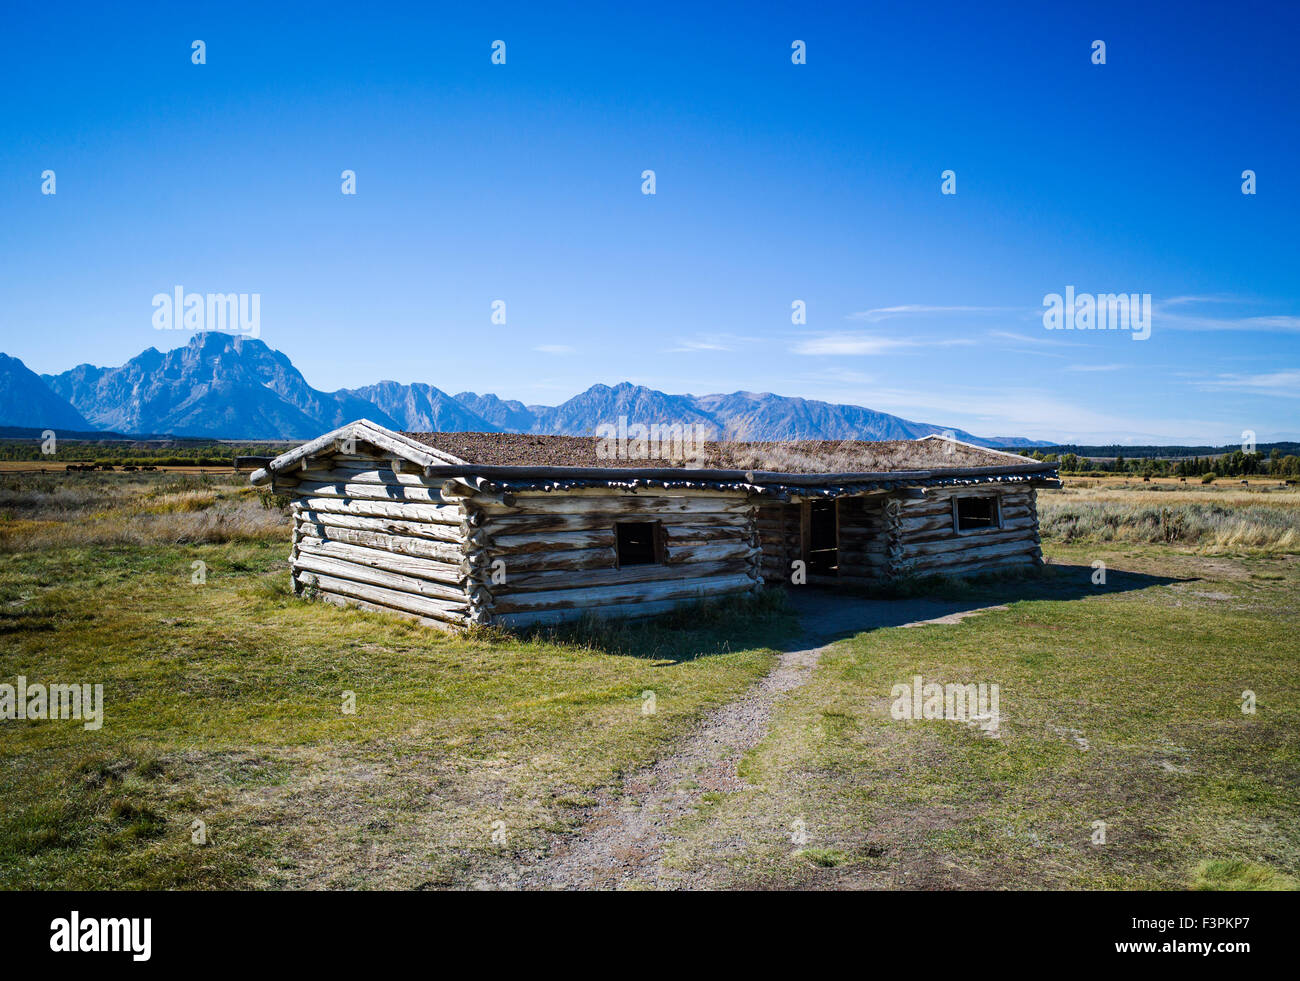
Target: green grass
{"type": "Point", "coordinates": [224, 721]}
{"type": "Point", "coordinates": [223, 703]}
{"type": "Point", "coordinates": [1122, 707]}
{"type": "Point", "coordinates": [1238, 876]}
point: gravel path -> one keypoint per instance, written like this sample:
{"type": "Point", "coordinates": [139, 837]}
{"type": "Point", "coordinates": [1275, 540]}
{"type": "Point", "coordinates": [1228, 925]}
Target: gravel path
{"type": "Point", "coordinates": [622, 841]}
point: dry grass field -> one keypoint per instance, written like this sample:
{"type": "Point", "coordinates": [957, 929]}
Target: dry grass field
{"type": "Point", "coordinates": [468, 757]}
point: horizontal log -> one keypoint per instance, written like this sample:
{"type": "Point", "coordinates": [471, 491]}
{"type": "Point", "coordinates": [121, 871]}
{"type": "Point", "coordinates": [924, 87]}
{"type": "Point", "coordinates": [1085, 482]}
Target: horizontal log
{"type": "Point", "coordinates": [940, 541]}
{"type": "Point", "coordinates": [392, 543]}
{"type": "Point", "coordinates": [622, 504]}
{"type": "Point", "coordinates": [923, 562]}
{"type": "Point", "coordinates": [557, 541]}
{"type": "Point", "coordinates": [405, 511]}
{"type": "Point", "coordinates": [761, 477]}
{"type": "Point", "coordinates": [369, 474]}
{"type": "Point", "coordinates": [387, 526]}
{"type": "Point", "coordinates": [343, 569]}
{"type": "Point", "coordinates": [944, 530]}
{"type": "Point", "coordinates": [381, 596]}
{"type": "Point", "coordinates": [707, 552]}
{"type": "Point", "coordinates": [516, 524]}
{"type": "Point", "coordinates": [976, 490]}
{"type": "Point", "coordinates": [622, 593]}
{"type": "Point", "coordinates": [447, 573]}
{"type": "Point", "coordinates": [600, 493]}
{"type": "Point", "coordinates": [692, 532]}
{"type": "Point", "coordinates": [528, 581]}
{"type": "Point", "coordinates": [570, 560]}
{"type": "Point", "coordinates": [371, 492]}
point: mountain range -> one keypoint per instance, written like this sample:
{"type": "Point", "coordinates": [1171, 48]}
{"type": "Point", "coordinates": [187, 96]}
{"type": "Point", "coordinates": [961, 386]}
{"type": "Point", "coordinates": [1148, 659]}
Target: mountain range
{"type": "Point", "coordinates": [225, 386]}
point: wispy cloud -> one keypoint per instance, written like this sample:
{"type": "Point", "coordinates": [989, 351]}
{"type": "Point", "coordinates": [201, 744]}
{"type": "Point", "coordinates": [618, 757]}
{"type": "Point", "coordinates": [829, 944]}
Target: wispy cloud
{"type": "Point", "coordinates": [886, 313]}
{"type": "Point", "coordinates": [1283, 383]}
{"type": "Point", "coordinates": [1045, 339]}
{"type": "Point", "coordinates": [556, 349]}
{"type": "Point", "coordinates": [711, 342]}
{"type": "Point", "coordinates": [866, 344]}
{"type": "Point", "coordinates": [1096, 367]}
{"type": "Point", "coordinates": [1163, 317]}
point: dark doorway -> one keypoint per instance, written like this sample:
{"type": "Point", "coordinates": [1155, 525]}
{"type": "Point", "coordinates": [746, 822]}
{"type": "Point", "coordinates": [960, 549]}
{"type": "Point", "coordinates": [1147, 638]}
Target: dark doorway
{"type": "Point", "coordinates": [823, 541]}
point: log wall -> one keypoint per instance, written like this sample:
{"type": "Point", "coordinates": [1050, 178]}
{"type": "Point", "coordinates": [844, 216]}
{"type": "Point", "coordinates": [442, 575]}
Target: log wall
{"type": "Point", "coordinates": [366, 535]}
{"type": "Point", "coordinates": [550, 557]}
{"type": "Point", "coordinates": [921, 540]}
{"type": "Point", "coordinates": [883, 537]}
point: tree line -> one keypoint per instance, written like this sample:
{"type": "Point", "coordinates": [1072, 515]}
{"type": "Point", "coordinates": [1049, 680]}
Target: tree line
{"type": "Point", "coordinates": [1235, 464]}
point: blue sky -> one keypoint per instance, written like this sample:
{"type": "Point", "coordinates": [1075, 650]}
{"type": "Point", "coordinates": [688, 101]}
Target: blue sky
{"type": "Point", "coordinates": [775, 182]}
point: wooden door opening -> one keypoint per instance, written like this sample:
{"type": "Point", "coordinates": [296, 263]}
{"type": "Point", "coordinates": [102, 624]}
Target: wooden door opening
{"type": "Point", "coordinates": [822, 537]}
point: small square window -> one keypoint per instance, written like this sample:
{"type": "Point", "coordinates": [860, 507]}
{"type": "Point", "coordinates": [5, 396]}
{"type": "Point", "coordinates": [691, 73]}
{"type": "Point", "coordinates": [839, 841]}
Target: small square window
{"type": "Point", "coordinates": [976, 513]}
{"type": "Point", "coordinates": [637, 542]}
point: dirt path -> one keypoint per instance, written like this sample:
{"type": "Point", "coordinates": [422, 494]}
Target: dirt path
{"type": "Point", "coordinates": [622, 842]}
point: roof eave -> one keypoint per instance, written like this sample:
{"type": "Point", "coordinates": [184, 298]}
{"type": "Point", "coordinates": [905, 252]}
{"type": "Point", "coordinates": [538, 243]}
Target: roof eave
{"type": "Point", "coordinates": [361, 430]}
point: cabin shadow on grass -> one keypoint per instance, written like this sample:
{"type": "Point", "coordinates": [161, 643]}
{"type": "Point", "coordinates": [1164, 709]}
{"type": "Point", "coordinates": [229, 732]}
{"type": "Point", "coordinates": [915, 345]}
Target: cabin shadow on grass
{"type": "Point", "coordinates": [830, 613]}
{"type": "Point", "coordinates": [795, 618]}
{"type": "Point", "coordinates": [766, 620]}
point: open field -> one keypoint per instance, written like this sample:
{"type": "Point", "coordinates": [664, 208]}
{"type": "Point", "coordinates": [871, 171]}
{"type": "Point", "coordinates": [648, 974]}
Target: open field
{"type": "Point", "coordinates": [58, 468]}
{"type": "Point", "coordinates": [1119, 704]}
{"type": "Point", "coordinates": [469, 758]}
{"type": "Point", "coordinates": [1223, 515]}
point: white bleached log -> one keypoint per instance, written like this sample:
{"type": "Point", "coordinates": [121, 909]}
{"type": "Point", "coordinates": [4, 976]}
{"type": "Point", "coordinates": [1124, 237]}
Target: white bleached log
{"type": "Point", "coordinates": [572, 560]}
{"type": "Point", "coordinates": [310, 561]}
{"type": "Point", "coordinates": [442, 551]}
{"type": "Point", "coordinates": [708, 552]}
{"type": "Point", "coordinates": [381, 596]}
{"type": "Point", "coordinates": [371, 492]}
{"type": "Point", "coordinates": [968, 543]}
{"type": "Point", "coordinates": [924, 563]}
{"type": "Point", "coordinates": [447, 573]}
{"type": "Point", "coordinates": [387, 526]}
{"type": "Point", "coordinates": [405, 511]}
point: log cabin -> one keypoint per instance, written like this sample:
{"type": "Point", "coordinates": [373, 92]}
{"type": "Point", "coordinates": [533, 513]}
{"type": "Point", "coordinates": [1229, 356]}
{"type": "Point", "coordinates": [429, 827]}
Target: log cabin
{"type": "Point", "coordinates": [517, 530]}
